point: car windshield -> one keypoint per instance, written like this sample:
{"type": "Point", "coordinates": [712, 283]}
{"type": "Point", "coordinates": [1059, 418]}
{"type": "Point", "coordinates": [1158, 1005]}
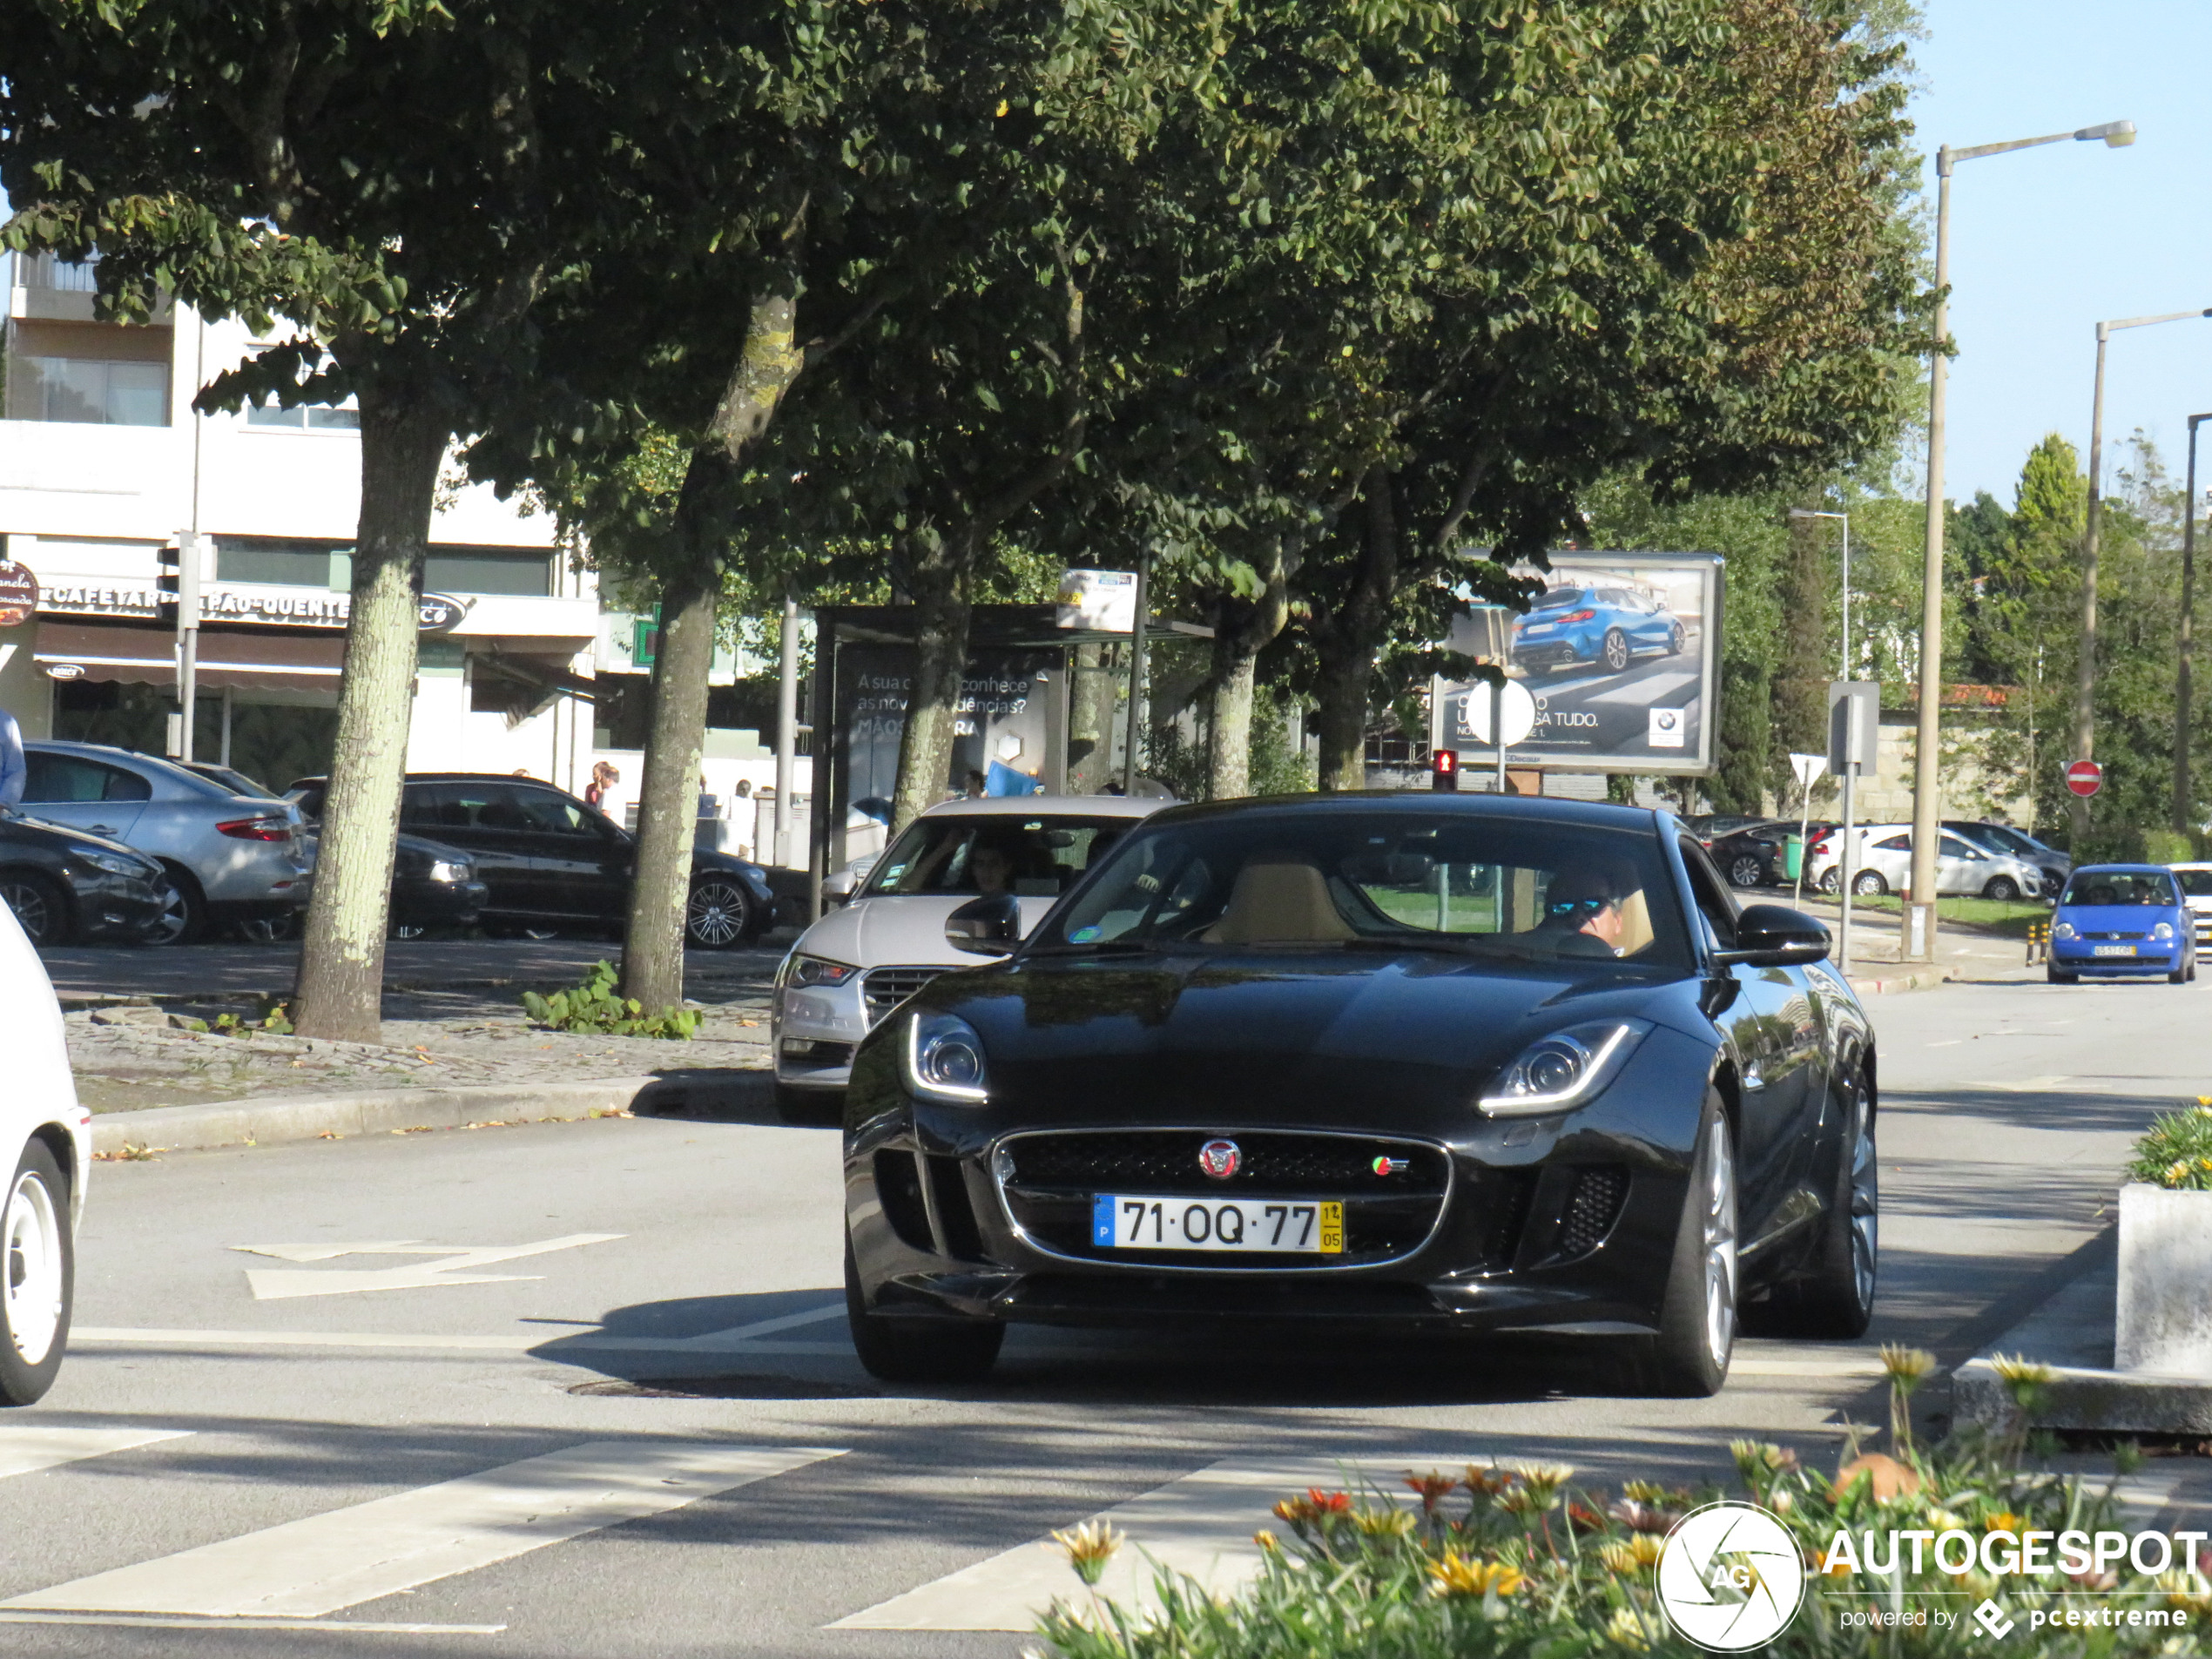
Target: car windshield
{"type": "Point", "coordinates": [2197, 884]}
{"type": "Point", "coordinates": [1484, 886]}
{"type": "Point", "coordinates": [1036, 856]}
{"type": "Point", "coordinates": [2120, 887]}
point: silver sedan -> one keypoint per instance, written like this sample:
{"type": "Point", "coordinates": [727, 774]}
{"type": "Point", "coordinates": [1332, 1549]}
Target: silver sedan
{"type": "Point", "coordinates": [232, 859]}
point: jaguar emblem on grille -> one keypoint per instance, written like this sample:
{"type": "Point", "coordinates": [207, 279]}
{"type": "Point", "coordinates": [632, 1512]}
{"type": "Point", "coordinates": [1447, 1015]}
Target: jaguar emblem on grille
{"type": "Point", "coordinates": [1220, 1159]}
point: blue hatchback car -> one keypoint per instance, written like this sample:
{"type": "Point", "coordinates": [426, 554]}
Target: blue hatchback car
{"type": "Point", "coordinates": [1591, 623]}
{"type": "Point", "coordinates": [2122, 919]}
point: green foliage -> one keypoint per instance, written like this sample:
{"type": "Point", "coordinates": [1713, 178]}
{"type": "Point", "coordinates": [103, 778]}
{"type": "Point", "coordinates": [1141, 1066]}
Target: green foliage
{"type": "Point", "coordinates": [2167, 846]}
{"type": "Point", "coordinates": [2176, 1150]}
{"type": "Point", "coordinates": [1512, 1562]}
{"type": "Point", "coordinates": [594, 1006]}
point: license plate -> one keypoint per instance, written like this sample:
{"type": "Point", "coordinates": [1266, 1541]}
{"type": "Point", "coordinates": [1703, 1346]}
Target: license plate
{"type": "Point", "coordinates": [2112, 950]}
{"type": "Point", "coordinates": [1275, 1226]}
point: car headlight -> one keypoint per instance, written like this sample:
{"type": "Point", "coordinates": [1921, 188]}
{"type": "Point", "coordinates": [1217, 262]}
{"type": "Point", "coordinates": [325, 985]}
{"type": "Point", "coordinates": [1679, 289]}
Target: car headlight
{"type": "Point", "coordinates": [817, 970]}
{"type": "Point", "coordinates": [2164, 930]}
{"type": "Point", "coordinates": [1564, 1068]}
{"type": "Point", "coordinates": [943, 1060]}
{"type": "Point", "coordinates": [444, 870]}
{"type": "Point", "coordinates": [2061, 930]}
{"type": "Point", "coordinates": [114, 863]}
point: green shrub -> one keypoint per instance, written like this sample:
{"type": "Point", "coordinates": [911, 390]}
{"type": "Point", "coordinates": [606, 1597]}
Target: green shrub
{"type": "Point", "coordinates": [2167, 846]}
{"type": "Point", "coordinates": [2176, 1150]}
{"type": "Point", "coordinates": [594, 1006]}
{"type": "Point", "coordinates": [1512, 1562]}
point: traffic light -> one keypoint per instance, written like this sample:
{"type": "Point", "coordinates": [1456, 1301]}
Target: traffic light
{"type": "Point", "coordinates": [1444, 769]}
{"type": "Point", "coordinates": [178, 582]}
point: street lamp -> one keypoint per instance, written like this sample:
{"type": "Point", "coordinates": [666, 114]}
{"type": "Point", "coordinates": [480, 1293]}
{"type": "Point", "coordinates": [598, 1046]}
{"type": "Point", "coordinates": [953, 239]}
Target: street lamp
{"type": "Point", "coordinates": [1847, 866]}
{"type": "Point", "coordinates": [2085, 671]}
{"type": "Point", "coordinates": [2183, 810]}
{"type": "Point", "coordinates": [1919, 917]}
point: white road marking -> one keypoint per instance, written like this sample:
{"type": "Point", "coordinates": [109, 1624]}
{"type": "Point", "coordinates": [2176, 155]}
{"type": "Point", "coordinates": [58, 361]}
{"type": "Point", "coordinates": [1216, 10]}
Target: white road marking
{"type": "Point", "coordinates": [304, 1569]}
{"type": "Point", "coordinates": [27, 1449]}
{"type": "Point", "coordinates": [1201, 1525]}
{"type": "Point", "coordinates": [149, 1621]}
{"type": "Point", "coordinates": [276, 1285]}
{"type": "Point", "coordinates": [764, 1327]}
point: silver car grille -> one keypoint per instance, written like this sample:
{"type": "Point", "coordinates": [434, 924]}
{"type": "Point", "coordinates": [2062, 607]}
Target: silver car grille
{"type": "Point", "coordinates": [883, 989]}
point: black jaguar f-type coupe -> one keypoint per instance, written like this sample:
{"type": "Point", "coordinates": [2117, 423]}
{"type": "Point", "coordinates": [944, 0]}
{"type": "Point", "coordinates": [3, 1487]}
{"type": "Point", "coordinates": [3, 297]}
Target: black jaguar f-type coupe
{"type": "Point", "coordinates": [1422, 1062]}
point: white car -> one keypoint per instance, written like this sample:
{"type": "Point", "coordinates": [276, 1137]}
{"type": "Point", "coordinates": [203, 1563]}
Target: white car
{"type": "Point", "coordinates": [860, 961]}
{"type": "Point", "coordinates": [1884, 865]}
{"type": "Point", "coordinates": [2197, 893]}
{"type": "Point", "coordinates": [46, 1143]}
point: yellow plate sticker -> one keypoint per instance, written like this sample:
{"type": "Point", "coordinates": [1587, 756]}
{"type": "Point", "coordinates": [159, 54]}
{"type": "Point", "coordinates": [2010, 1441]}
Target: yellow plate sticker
{"type": "Point", "coordinates": [1332, 1230]}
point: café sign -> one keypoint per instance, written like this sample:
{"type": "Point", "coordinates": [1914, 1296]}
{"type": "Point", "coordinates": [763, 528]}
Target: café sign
{"type": "Point", "coordinates": [19, 593]}
{"type": "Point", "coordinates": [438, 613]}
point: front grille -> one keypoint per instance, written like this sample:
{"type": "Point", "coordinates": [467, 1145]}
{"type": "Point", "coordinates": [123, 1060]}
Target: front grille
{"type": "Point", "coordinates": [884, 988]}
{"type": "Point", "coordinates": [2115, 936]}
{"type": "Point", "coordinates": [1591, 1212]}
{"type": "Point", "coordinates": [1050, 1181]}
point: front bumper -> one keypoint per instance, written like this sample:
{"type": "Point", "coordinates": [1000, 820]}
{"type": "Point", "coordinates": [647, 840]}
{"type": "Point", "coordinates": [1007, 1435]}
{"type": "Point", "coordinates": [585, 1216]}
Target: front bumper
{"type": "Point", "coordinates": [813, 1029]}
{"type": "Point", "coordinates": [2073, 956]}
{"type": "Point", "coordinates": [115, 906]}
{"type": "Point", "coordinates": [438, 904]}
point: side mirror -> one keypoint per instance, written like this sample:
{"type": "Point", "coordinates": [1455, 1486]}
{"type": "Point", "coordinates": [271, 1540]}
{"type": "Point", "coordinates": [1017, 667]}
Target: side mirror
{"type": "Point", "coordinates": [990, 926]}
{"type": "Point", "coordinates": [1773, 935]}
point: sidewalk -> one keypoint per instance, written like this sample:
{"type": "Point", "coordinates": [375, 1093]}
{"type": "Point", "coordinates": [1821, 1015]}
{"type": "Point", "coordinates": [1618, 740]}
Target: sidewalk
{"type": "Point", "coordinates": [1963, 951]}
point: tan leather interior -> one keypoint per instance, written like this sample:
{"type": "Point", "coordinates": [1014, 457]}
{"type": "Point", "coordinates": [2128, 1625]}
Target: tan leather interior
{"type": "Point", "coordinates": [1636, 924]}
{"type": "Point", "coordinates": [1280, 898]}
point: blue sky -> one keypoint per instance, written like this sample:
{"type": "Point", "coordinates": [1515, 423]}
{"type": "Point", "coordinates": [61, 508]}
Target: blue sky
{"type": "Point", "coordinates": [2045, 242]}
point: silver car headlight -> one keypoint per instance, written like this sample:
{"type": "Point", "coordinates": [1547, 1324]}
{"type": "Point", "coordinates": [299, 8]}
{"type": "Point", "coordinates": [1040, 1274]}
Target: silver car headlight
{"type": "Point", "coordinates": [2164, 930]}
{"type": "Point", "coordinates": [942, 1058]}
{"type": "Point", "coordinates": [114, 863]}
{"type": "Point", "coordinates": [1563, 1069]}
{"type": "Point", "coordinates": [817, 970]}
{"type": "Point", "coordinates": [444, 870]}
{"type": "Point", "coordinates": [2061, 930]}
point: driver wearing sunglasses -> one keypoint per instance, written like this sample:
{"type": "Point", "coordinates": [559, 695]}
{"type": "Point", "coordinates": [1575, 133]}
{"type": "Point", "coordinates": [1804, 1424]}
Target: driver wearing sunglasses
{"type": "Point", "coordinates": [1586, 898]}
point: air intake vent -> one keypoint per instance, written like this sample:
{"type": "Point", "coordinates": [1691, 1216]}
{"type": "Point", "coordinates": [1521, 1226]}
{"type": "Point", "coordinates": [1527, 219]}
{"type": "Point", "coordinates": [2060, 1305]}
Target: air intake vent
{"type": "Point", "coordinates": [1591, 1212]}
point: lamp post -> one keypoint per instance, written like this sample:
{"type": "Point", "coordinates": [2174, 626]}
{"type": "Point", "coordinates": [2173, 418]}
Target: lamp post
{"type": "Point", "coordinates": [2183, 811]}
{"type": "Point", "coordinates": [2085, 671]}
{"type": "Point", "coordinates": [1919, 916]}
{"type": "Point", "coordinates": [1847, 865]}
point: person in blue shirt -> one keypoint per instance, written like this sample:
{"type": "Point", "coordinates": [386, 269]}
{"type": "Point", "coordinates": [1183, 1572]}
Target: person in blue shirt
{"type": "Point", "coordinates": [12, 771]}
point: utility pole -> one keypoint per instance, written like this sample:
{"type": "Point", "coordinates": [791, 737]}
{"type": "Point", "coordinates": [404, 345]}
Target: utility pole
{"type": "Point", "coordinates": [786, 731]}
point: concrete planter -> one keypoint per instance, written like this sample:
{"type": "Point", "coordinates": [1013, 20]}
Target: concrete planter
{"type": "Point", "coordinates": [2165, 1303]}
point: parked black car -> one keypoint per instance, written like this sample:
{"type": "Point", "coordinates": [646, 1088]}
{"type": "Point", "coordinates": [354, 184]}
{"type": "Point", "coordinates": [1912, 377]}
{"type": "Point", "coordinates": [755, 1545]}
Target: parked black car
{"type": "Point", "coordinates": [1367, 1062]}
{"type": "Point", "coordinates": [68, 886]}
{"type": "Point", "coordinates": [550, 862]}
{"type": "Point", "coordinates": [1708, 827]}
{"type": "Point", "coordinates": [1756, 856]}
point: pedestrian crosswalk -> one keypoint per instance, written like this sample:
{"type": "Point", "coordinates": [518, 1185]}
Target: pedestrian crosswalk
{"type": "Point", "coordinates": [27, 1449]}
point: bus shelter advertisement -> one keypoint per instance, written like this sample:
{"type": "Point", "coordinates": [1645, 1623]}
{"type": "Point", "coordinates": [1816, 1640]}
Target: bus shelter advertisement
{"type": "Point", "coordinates": [1620, 653]}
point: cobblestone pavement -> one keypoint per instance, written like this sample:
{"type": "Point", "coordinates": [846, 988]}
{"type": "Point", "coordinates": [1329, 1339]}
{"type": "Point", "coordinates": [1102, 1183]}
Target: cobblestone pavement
{"type": "Point", "coordinates": [132, 1058]}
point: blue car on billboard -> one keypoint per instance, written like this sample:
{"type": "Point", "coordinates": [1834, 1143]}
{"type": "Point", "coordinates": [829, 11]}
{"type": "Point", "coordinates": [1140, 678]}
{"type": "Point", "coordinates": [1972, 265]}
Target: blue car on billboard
{"type": "Point", "coordinates": [2122, 919]}
{"type": "Point", "coordinates": [1594, 624]}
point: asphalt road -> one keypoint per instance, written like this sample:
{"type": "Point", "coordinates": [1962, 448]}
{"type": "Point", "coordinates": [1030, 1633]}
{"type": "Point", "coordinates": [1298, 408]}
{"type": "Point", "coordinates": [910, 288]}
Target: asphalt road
{"type": "Point", "coordinates": [414, 1451]}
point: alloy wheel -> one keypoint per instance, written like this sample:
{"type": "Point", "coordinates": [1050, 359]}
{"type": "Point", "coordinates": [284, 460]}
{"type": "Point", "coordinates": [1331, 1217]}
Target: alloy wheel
{"type": "Point", "coordinates": [1616, 650]}
{"type": "Point", "coordinates": [1717, 1242]}
{"type": "Point", "coordinates": [175, 918]}
{"type": "Point", "coordinates": [34, 912]}
{"type": "Point", "coordinates": [716, 918]}
{"type": "Point", "coordinates": [1865, 1195]}
{"type": "Point", "coordinates": [1745, 872]}
{"type": "Point", "coordinates": [1869, 883]}
{"type": "Point", "coordinates": [31, 1248]}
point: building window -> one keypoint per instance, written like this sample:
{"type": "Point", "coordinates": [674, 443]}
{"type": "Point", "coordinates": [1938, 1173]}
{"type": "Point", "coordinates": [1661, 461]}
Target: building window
{"type": "Point", "coordinates": [305, 417]}
{"type": "Point", "coordinates": [88, 390]}
{"type": "Point", "coordinates": [286, 564]}
{"type": "Point", "coordinates": [488, 569]}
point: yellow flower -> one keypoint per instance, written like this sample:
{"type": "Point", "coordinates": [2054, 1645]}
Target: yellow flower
{"type": "Point", "coordinates": [1268, 1541]}
{"type": "Point", "coordinates": [1004, 107]}
{"type": "Point", "coordinates": [1088, 1547]}
{"type": "Point", "coordinates": [1626, 1629]}
{"type": "Point", "coordinates": [1637, 1553]}
{"type": "Point", "coordinates": [1456, 1575]}
{"type": "Point", "coordinates": [1904, 1365]}
{"type": "Point", "coordinates": [1944, 1520]}
{"type": "Point", "coordinates": [1391, 1522]}
{"type": "Point", "coordinates": [2001, 1521]}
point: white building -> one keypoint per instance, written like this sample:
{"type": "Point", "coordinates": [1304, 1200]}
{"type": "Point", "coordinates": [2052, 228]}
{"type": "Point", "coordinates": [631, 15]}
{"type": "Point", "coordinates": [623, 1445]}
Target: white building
{"type": "Point", "coordinates": [103, 465]}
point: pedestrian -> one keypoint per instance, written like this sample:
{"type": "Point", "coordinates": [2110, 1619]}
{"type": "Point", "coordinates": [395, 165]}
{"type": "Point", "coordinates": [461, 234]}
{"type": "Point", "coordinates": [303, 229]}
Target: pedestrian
{"type": "Point", "coordinates": [742, 789]}
{"type": "Point", "coordinates": [12, 770]}
{"type": "Point", "coordinates": [604, 778]}
{"type": "Point", "coordinates": [975, 785]}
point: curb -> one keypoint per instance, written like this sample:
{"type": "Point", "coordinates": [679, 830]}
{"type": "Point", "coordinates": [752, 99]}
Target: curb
{"type": "Point", "coordinates": [1917, 979]}
{"type": "Point", "coordinates": [309, 1117]}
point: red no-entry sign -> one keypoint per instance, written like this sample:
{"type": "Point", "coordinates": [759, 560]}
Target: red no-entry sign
{"type": "Point", "coordinates": [2085, 777]}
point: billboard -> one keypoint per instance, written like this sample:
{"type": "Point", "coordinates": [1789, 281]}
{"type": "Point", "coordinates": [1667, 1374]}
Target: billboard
{"type": "Point", "coordinates": [1620, 652]}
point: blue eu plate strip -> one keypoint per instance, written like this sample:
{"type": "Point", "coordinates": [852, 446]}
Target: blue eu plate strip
{"type": "Point", "coordinates": [1101, 1220]}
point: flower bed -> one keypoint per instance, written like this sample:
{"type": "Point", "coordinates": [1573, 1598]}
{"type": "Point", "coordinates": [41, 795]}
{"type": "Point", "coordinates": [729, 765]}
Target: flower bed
{"type": "Point", "coordinates": [2175, 1152]}
{"type": "Point", "coordinates": [1516, 1561]}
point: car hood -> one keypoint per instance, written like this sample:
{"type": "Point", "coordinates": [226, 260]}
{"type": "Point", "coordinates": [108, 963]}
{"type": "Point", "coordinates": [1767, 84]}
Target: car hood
{"type": "Point", "coordinates": [899, 927]}
{"type": "Point", "coordinates": [2117, 917]}
{"type": "Point", "coordinates": [1100, 1031]}
{"type": "Point", "coordinates": [70, 836]}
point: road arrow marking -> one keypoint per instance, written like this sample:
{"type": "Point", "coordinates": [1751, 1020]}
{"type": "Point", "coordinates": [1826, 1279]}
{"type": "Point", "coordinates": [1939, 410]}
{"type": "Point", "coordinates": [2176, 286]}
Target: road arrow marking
{"type": "Point", "coordinates": [277, 1285]}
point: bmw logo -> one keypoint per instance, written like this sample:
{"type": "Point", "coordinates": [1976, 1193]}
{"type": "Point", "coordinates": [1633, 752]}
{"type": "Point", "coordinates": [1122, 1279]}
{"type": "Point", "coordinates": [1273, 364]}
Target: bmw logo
{"type": "Point", "coordinates": [1220, 1159]}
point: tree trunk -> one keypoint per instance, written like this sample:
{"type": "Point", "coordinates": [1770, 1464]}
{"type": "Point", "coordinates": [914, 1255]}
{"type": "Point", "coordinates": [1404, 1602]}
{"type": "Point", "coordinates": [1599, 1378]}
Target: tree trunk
{"type": "Point", "coordinates": [944, 585]}
{"type": "Point", "coordinates": [652, 953]}
{"type": "Point", "coordinates": [340, 989]}
{"type": "Point", "coordinates": [1348, 644]}
{"type": "Point", "coordinates": [660, 888]}
{"type": "Point", "coordinates": [1229, 724]}
{"type": "Point", "coordinates": [1090, 721]}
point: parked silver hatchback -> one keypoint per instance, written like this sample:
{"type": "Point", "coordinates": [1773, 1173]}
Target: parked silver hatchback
{"type": "Point", "coordinates": [232, 859]}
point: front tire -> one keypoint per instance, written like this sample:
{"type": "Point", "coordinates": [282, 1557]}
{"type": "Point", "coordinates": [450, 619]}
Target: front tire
{"type": "Point", "coordinates": [1616, 650]}
{"type": "Point", "coordinates": [183, 913]}
{"type": "Point", "coordinates": [918, 1350]}
{"type": "Point", "coordinates": [38, 1278]}
{"type": "Point", "coordinates": [2001, 887]}
{"type": "Point", "coordinates": [42, 910]}
{"type": "Point", "coordinates": [1689, 1358]}
{"type": "Point", "coordinates": [1676, 639]}
{"type": "Point", "coordinates": [719, 914]}
{"type": "Point", "coordinates": [1868, 884]}
{"type": "Point", "coordinates": [1835, 1300]}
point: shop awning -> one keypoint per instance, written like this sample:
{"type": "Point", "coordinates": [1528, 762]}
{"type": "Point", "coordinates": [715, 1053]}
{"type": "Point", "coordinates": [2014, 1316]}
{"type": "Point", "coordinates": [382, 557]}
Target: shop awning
{"type": "Point", "coordinates": [267, 662]}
